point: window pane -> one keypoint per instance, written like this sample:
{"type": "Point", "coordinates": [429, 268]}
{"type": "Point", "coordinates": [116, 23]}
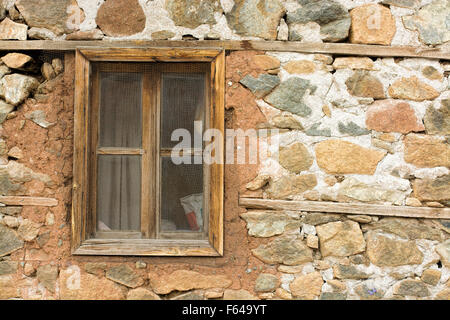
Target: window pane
{"type": "Point", "coordinates": [181, 196]}
{"type": "Point", "coordinates": [119, 193]}
{"type": "Point", "coordinates": [182, 103]}
{"type": "Point", "coordinates": [120, 109]}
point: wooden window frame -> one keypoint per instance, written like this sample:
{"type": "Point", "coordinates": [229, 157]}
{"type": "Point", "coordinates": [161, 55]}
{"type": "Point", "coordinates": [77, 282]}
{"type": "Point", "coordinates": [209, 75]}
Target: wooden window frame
{"type": "Point", "coordinates": [81, 217]}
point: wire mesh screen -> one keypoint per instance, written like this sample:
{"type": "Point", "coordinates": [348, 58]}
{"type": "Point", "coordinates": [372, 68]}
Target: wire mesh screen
{"type": "Point", "coordinates": [119, 193]}
{"type": "Point", "coordinates": [120, 109]}
{"type": "Point", "coordinates": [182, 103]}
{"type": "Point", "coordinates": [181, 196]}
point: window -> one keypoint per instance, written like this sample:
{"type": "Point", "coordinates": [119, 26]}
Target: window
{"type": "Point", "coordinates": [135, 190]}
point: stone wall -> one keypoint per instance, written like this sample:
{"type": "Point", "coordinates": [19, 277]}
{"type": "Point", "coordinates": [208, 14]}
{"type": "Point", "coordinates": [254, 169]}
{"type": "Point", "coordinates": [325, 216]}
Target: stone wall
{"type": "Point", "coordinates": [356, 130]}
{"type": "Point", "coordinates": [385, 22]}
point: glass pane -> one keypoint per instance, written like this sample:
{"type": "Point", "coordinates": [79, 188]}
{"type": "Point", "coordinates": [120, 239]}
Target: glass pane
{"type": "Point", "coordinates": [120, 109]}
{"type": "Point", "coordinates": [182, 103]}
{"type": "Point", "coordinates": [119, 193]}
{"type": "Point", "coordinates": [181, 196]}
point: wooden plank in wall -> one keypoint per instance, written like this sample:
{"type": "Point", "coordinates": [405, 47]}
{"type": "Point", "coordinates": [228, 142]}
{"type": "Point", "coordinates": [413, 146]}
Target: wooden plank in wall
{"type": "Point", "coordinates": [287, 46]}
{"type": "Point", "coordinates": [346, 208]}
{"type": "Point", "coordinates": [28, 201]}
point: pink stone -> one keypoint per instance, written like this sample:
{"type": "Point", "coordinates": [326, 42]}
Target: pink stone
{"type": "Point", "coordinates": [392, 116]}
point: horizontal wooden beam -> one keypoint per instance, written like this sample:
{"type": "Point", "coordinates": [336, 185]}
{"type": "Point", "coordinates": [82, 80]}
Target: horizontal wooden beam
{"type": "Point", "coordinates": [28, 201]}
{"type": "Point", "coordinates": [346, 208]}
{"type": "Point", "coordinates": [288, 46]}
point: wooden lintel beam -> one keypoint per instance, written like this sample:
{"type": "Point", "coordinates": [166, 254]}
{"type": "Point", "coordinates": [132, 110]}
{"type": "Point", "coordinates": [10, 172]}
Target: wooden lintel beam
{"type": "Point", "coordinates": [284, 46]}
{"type": "Point", "coordinates": [346, 208]}
{"type": "Point", "coordinates": [28, 201]}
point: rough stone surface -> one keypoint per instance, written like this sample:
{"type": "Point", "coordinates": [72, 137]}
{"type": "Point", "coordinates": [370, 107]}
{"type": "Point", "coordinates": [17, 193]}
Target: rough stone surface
{"type": "Point", "coordinates": [340, 239]}
{"type": "Point", "coordinates": [184, 280]}
{"type": "Point", "coordinates": [257, 183]}
{"type": "Point", "coordinates": [354, 189]}
{"type": "Point", "coordinates": [392, 116]}
{"type": "Point", "coordinates": [268, 224]}
{"type": "Point", "coordinates": [87, 287]}
{"type": "Point", "coordinates": [383, 251]}
{"type": "Point", "coordinates": [8, 267]}
{"type": "Point", "coordinates": [142, 294]}
{"type": "Point", "coordinates": [28, 230]}
{"type": "Point", "coordinates": [16, 60]}
{"type": "Point", "coordinates": [5, 109]}
{"type": "Point", "coordinates": [412, 89]}
{"type": "Point", "coordinates": [266, 283]}
{"type": "Point", "coordinates": [41, 34]}
{"type": "Point", "coordinates": [47, 276]}
{"type": "Point", "coordinates": [300, 67]}
{"type": "Point", "coordinates": [315, 218]}
{"type": "Point", "coordinates": [257, 18]}
{"type": "Point", "coordinates": [437, 121]}
{"type": "Point", "coordinates": [355, 63]}
{"type": "Point", "coordinates": [429, 21]}
{"type": "Point", "coordinates": [288, 96]}
{"type": "Point", "coordinates": [262, 85]}
{"type": "Point", "coordinates": [193, 13]}
{"type": "Point", "coordinates": [307, 287]}
{"type": "Point", "coordinates": [286, 122]}
{"type": "Point", "coordinates": [410, 287]}
{"type": "Point", "coordinates": [407, 228]}
{"type": "Point", "coordinates": [9, 241]}
{"type": "Point", "coordinates": [59, 16]}
{"type": "Point", "coordinates": [362, 84]}
{"type": "Point", "coordinates": [15, 88]}
{"type": "Point", "coordinates": [288, 250]}
{"type": "Point", "coordinates": [349, 272]}
{"type": "Point", "coordinates": [333, 18]}
{"type": "Point", "coordinates": [39, 117]}
{"type": "Point", "coordinates": [333, 296]}
{"type": "Point", "coordinates": [266, 62]}
{"type": "Point", "coordinates": [372, 24]}
{"type": "Point", "coordinates": [432, 189]}
{"type": "Point", "coordinates": [367, 292]}
{"type": "Point", "coordinates": [295, 157]}
{"type": "Point", "coordinates": [431, 276]}
{"type": "Point", "coordinates": [426, 151]}
{"type": "Point", "coordinates": [8, 288]}
{"type": "Point", "coordinates": [288, 186]}
{"type": "Point", "coordinates": [10, 30]}
{"type": "Point", "coordinates": [341, 157]}
{"type": "Point", "coordinates": [124, 275]}
{"type": "Point", "coordinates": [352, 129]}
{"type": "Point", "coordinates": [95, 34]}
{"type": "Point", "coordinates": [121, 18]}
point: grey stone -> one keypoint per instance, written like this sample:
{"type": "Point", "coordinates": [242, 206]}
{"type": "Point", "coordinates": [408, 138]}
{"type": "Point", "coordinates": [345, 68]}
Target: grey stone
{"type": "Point", "coordinates": [352, 129]}
{"type": "Point", "coordinates": [38, 117]}
{"type": "Point", "coordinates": [8, 267]}
{"type": "Point", "coordinates": [11, 211]}
{"type": "Point", "coordinates": [2, 12]}
{"type": "Point", "coordinates": [43, 238]}
{"type": "Point", "coordinates": [268, 224]}
{"type": "Point", "coordinates": [193, 295]}
{"type": "Point", "coordinates": [288, 96]}
{"type": "Point", "coordinates": [183, 14]}
{"type": "Point", "coordinates": [333, 296]}
{"type": "Point", "coordinates": [402, 3]}
{"type": "Point", "coordinates": [10, 30]}
{"type": "Point", "coordinates": [47, 276]}
{"type": "Point", "coordinates": [366, 292]}
{"type": "Point", "coordinates": [266, 283]}
{"type": "Point", "coordinates": [9, 241]}
{"type": "Point", "coordinates": [15, 88]}
{"type": "Point", "coordinates": [315, 131]}
{"type": "Point", "coordinates": [41, 34]}
{"type": "Point", "coordinates": [5, 109]}
{"type": "Point", "coordinates": [55, 15]}
{"type": "Point", "coordinates": [432, 22]}
{"type": "Point", "coordinates": [349, 272]}
{"type": "Point", "coordinates": [4, 70]}
{"type": "Point", "coordinates": [410, 287]}
{"type": "Point", "coordinates": [289, 250]}
{"type": "Point", "coordinates": [333, 18]}
{"type": "Point", "coordinates": [437, 121]}
{"type": "Point", "coordinates": [123, 274]}
{"type": "Point", "coordinates": [315, 218]}
{"type": "Point", "coordinates": [257, 18]}
{"type": "Point", "coordinates": [262, 85]}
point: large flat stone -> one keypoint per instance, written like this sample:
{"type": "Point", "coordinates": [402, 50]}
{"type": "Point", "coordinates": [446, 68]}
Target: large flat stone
{"type": "Point", "coordinates": [15, 88]}
{"type": "Point", "coordinates": [426, 151]}
{"type": "Point", "coordinates": [288, 186]}
{"type": "Point", "coordinates": [9, 241]}
{"type": "Point", "coordinates": [121, 18]}
{"type": "Point", "coordinates": [307, 287]}
{"type": "Point", "coordinates": [340, 239]}
{"type": "Point", "coordinates": [342, 157]}
{"type": "Point", "coordinates": [124, 275]}
{"type": "Point", "coordinates": [193, 13]}
{"type": "Point", "coordinates": [432, 189]}
{"type": "Point", "coordinates": [437, 121]}
{"type": "Point", "coordinates": [270, 223]}
{"type": "Point", "coordinates": [412, 89]}
{"type": "Point", "coordinates": [295, 157]}
{"type": "Point", "coordinates": [10, 30]}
